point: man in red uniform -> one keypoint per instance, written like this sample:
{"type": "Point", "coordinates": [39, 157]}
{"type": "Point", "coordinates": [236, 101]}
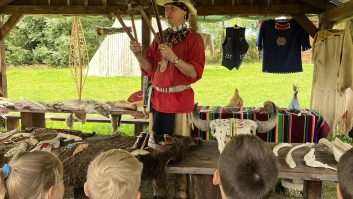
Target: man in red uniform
{"type": "Point", "coordinates": [172, 66]}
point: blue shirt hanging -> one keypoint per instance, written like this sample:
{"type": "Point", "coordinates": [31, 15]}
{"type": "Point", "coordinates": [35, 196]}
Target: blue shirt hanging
{"type": "Point", "coordinates": [281, 44]}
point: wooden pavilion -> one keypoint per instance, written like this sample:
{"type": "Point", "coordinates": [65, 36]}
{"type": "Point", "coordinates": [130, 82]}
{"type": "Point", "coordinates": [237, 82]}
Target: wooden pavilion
{"type": "Point", "coordinates": [328, 11]}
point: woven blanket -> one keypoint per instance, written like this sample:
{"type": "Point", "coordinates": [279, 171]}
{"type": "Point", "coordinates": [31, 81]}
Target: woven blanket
{"type": "Point", "coordinates": [308, 126]}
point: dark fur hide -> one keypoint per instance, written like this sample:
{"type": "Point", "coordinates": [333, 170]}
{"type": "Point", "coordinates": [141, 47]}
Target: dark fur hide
{"type": "Point", "coordinates": [75, 166]}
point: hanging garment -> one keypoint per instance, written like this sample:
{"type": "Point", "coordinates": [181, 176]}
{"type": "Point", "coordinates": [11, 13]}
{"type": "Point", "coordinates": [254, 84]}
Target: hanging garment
{"type": "Point", "coordinates": [234, 47]}
{"type": "Point", "coordinates": [281, 44]}
{"type": "Point", "coordinates": [332, 94]}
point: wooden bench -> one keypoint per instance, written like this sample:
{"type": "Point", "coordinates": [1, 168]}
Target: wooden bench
{"type": "Point", "coordinates": [12, 121]}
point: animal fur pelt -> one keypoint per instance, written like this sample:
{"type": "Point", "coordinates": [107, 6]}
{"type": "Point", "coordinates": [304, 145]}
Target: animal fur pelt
{"type": "Point", "coordinates": [23, 105]}
{"type": "Point", "coordinates": [124, 104]}
{"type": "Point", "coordinates": [224, 129]}
{"type": "Point", "coordinates": [88, 106]}
{"type": "Point", "coordinates": [156, 163]}
{"type": "Point", "coordinates": [75, 165]}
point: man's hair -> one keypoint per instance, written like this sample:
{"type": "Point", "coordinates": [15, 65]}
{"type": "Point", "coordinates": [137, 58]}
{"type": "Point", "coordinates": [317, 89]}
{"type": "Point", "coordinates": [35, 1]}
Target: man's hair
{"type": "Point", "coordinates": [345, 174]}
{"type": "Point", "coordinates": [31, 175]}
{"type": "Point", "coordinates": [114, 174]}
{"type": "Point", "coordinates": [247, 168]}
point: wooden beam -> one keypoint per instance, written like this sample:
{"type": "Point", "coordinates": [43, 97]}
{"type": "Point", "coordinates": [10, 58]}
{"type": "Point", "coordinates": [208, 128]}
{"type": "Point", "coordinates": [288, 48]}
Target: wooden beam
{"type": "Point", "coordinates": [277, 9]}
{"type": "Point", "coordinates": [64, 10]}
{"type": "Point", "coordinates": [321, 4]}
{"type": "Point", "coordinates": [5, 3]}
{"type": "Point", "coordinates": [287, 9]}
{"type": "Point", "coordinates": [9, 24]}
{"type": "Point", "coordinates": [339, 12]}
{"type": "Point", "coordinates": [306, 24]}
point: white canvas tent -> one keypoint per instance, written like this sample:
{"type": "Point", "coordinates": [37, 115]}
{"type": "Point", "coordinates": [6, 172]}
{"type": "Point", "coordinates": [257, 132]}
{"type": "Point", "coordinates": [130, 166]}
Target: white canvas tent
{"type": "Point", "coordinates": [113, 57]}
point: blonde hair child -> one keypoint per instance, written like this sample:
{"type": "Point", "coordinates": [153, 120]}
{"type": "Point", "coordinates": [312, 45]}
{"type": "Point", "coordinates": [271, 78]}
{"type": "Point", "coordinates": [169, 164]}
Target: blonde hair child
{"type": "Point", "coordinates": [114, 174]}
{"type": "Point", "coordinates": [32, 175]}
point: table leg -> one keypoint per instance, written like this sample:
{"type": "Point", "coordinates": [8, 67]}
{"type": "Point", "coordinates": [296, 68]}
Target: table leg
{"type": "Point", "coordinates": [32, 120]}
{"type": "Point", "coordinates": [201, 186]}
{"type": "Point", "coordinates": [79, 193]}
{"type": "Point", "coordinates": [12, 123]}
{"type": "Point", "coordinates": [312, 189]}
{"type": "Point", "coordinates": [115, 119]}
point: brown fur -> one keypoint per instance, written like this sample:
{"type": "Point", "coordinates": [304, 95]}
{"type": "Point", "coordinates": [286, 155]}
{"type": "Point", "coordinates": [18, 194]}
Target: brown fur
{"type": "Point", "coordinates": [125, 104]}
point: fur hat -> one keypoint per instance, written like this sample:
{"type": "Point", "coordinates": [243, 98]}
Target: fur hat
{"type": "Point", "coordinates": [188, 3]}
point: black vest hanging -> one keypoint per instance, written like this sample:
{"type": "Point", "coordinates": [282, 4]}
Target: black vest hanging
{"type": "Point", "coordinates": [234, 47]}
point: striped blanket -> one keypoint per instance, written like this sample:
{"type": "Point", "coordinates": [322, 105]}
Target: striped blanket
{"type": "Point", "coordinates": [308, 126]}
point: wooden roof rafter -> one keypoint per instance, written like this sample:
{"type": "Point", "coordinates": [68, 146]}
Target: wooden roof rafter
{"type": "Point", "coordinates": [5, 3]}
{"type": "Point", "coordinates": [9, 24]}
{"type": "Point", "coordinates": [322, 4]}
{"type": "Point", "coordinates": [339, 13]}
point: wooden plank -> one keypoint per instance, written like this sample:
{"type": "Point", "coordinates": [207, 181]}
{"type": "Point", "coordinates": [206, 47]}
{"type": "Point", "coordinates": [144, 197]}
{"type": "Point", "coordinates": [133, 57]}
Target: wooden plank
{"type": "Point", "coordinates": [339, 13]}
{"type": "Point", "coordinates": [322, 4]}
{"type": "Point", "coordinates": [32, 120]}
{"type": "Point", "coordinates": [202, 10]}
{"type": "Point", "coordinates": [201, 186]}
{"type": "Point", "coordinates": [203, 160]}
{"type": "Point", "coordinates": [306, 24]}
{"type": "Point", "coordinates": [5, 3]}
{"type": "Point", "coordinates": [9, 24]}
{"type": "Point", "coordinates": [312, 189]}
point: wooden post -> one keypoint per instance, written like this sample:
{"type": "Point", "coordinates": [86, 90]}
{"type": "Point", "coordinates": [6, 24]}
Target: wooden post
{"type": "Point", "coordinates": [312, 189]}
{"type": "Point", "coordinates": [201, 186]}
{"type": "Point", "coordinates": [3, 81]}
{"type": "Point", "coordinates": [146, 37]}
{"type": "Point", "coordinates": [32, 120]}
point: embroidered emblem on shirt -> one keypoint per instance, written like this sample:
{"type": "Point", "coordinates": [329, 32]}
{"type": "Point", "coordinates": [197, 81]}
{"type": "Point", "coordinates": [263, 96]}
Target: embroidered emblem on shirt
{"type": "Point", "coordinates": [281, 41]}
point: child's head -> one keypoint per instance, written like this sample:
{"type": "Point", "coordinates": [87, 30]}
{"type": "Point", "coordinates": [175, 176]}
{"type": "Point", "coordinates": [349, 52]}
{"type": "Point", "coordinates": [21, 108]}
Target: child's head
{"type": "Point", "coordinates": [345, 176]}
{"type": "Point", "coordinates": [32, 175]}
{"type": "Point", "coordinates": [114, 174]}
{"type": "Point", "coordinates": [247, 168]}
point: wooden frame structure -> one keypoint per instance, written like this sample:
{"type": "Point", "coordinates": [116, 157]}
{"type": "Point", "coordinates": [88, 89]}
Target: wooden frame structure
{"type": "Point", "coordinates": [329, 12]}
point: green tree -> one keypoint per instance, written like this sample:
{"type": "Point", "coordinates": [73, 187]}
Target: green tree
{"type": "Point", "coordinates": [46, 40]}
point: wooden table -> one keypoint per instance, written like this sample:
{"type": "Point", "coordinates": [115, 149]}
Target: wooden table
{"type": "Point", "coordinates": [36, 117]}
{"type": "Point", "coordinates": [201, 162]}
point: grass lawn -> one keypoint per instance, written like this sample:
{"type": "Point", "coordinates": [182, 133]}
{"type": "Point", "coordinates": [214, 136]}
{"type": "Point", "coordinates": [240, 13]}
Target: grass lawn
{"type": "Point", "coordinates": [215, 88]}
